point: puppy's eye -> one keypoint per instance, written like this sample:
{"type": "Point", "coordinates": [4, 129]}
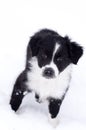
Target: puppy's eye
{"type": "Point", "coordinates": [44, 56]}
{"type": "Point", "coordinates": [59, 59]}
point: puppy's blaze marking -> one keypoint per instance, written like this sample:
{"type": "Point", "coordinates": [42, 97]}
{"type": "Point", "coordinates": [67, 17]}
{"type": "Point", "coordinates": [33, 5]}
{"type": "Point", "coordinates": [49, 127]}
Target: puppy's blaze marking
{"type": "Point", "coordinates": [56, 49]}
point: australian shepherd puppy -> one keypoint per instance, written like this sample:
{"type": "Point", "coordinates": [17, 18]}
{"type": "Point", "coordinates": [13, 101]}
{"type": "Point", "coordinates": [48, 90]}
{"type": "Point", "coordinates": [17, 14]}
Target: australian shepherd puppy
{"type": "Point", "coordinates": [47, 71]}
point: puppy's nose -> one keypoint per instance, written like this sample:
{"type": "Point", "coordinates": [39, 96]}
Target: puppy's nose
{"type": "Point", "coordinates": [49, 73]}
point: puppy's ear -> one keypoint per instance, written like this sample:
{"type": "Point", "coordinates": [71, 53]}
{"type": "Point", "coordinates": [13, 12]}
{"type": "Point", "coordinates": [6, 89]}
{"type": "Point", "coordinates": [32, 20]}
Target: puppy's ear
{"type": "Point", "coordinates": [34, 45]}
{"type": "Point", "coordinates": [75, 50]}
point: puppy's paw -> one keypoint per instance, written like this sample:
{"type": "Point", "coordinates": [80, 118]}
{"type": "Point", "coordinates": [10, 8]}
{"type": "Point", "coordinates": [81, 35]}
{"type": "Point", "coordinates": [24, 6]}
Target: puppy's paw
{"type": "Point", "coordinates": [54, 121]}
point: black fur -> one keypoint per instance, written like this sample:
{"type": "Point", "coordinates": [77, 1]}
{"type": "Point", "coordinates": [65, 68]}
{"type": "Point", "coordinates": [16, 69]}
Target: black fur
{"type": "Point", "coordinates": [18, 91]}
{"type": "Point", "coordinates": [54, 107]}
{"type": "Point", "coordinates": [74, 49]}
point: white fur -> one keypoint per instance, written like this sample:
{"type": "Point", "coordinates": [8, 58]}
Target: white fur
{"type": "Point", "coordinates": [54, 87]}
{"type": "Point", "coordinates": [53, 121]}
{"type": "Point", "coordinates": [56, 48]}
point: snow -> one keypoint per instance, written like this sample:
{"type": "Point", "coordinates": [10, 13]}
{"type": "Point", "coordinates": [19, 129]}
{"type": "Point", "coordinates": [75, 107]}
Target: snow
{"type": "Point", "coordinates": [19, 19]}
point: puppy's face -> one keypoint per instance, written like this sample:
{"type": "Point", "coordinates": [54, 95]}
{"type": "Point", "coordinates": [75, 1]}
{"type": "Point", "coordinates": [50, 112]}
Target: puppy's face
{"type": "Point", "coordinates": [54, 61]}
{"type": "Point", "coordinates": [53, 52]}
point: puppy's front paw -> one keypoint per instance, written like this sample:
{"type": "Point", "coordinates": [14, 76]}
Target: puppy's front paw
{"type": "Point", "coordinates": [54, 121]}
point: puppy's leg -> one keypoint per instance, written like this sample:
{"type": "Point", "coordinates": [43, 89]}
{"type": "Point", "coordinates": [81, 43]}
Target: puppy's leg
{"type": "Point", "coordinates": [19, 91]}
{"type": "Point", "coordinates": [54, 107]}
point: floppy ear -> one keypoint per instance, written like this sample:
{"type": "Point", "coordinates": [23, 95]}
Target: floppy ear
{"type": "Point", "coordinates": [34, 45]}
{"type": "Point", "coordinates": [75, 50]}
{"type": "Point", "coordinates": [32, 49]}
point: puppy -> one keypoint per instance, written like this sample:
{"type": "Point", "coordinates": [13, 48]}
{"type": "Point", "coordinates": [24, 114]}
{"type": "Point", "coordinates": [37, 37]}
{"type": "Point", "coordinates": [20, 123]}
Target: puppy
{"type": "Point", "coordinates": [48, 69]}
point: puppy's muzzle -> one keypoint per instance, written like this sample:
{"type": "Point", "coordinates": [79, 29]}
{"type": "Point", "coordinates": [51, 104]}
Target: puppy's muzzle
{"type": "Point", "coordinates": [48, 72]}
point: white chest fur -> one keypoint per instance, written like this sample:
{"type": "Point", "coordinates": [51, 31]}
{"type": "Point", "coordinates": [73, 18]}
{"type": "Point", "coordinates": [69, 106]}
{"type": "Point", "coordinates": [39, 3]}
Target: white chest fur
{"type": "Point", "coordinates": [54, 87]}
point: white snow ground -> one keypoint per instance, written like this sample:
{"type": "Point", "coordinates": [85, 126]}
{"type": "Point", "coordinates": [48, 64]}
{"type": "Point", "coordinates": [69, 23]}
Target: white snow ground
{"type": "Point", "coordinates": [19, 19]}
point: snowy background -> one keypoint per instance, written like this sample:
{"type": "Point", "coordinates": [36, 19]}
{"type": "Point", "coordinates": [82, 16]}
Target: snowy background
{"type": "Point", "coordinates": [19, 19]}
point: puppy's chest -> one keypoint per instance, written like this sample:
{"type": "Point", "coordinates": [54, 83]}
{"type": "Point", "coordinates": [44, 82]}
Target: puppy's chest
{"type": "Point", "coordinates": [46, 88]}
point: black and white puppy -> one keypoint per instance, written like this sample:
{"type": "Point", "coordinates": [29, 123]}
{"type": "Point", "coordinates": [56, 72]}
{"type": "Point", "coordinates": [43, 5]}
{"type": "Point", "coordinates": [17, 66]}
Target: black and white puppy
{"type": "Point", "coordinates": [48, 70]}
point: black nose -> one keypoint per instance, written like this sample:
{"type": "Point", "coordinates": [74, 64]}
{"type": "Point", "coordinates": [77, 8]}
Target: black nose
{"type": "Point", "coordinates": [49, 73]}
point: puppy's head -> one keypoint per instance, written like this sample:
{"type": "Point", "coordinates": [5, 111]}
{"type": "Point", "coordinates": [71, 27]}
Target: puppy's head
{"type": "Point", "coordinates": [53, 52]}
